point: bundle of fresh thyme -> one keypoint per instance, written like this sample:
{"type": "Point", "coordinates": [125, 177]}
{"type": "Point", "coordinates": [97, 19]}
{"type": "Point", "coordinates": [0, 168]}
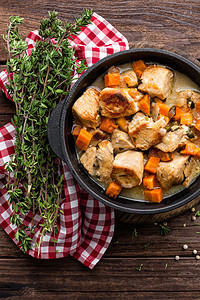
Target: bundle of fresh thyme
{"type": "Point", "coordinates": [38, 82]}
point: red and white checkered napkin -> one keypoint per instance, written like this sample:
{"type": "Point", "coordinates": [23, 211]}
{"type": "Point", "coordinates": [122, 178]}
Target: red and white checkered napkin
{"type": "Point", "coordinates": [87, 226]}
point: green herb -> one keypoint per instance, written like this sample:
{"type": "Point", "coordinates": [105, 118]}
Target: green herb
{"type": "Point", "coordinates": [139, 268]}
{"type": "Point", "coordinates": [197, 214]}
{"type": "Point", "coordinates": [190, 134]}
{"type": "Point", "coordinates": [164, 229]}
{"type": "Point", "coordinates": [135, 232]}
{"type": "Point", "coordinates": [146, 246]}
{"type": "Point", "coordinates": [39, 82]}
{"type": "Point", "coordinates": [116, 242]}
{"type": "Point", "coordinates": [165, 266]}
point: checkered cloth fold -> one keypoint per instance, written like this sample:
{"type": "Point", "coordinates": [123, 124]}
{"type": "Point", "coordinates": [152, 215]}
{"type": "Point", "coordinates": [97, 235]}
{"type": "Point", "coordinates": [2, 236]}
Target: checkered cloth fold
{"type": "Point", "coordinates": [86, 227]}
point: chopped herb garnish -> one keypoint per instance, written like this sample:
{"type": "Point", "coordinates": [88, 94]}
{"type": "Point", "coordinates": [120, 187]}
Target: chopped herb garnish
{"type": "Point", "coordinates": [197, 214]}
{"type": "Point", "coordinates": [116, 242]}
{"type": "Point", "coordinates": [164, 229]}
{"type": "Point", "coordinates": [135, 232]}
{"type": "Point", "coordinates": [165, 266]}
{"type": "Point", "coordinates": [139, 268]}
{"type": "Point", "coordinates": [146, 246]}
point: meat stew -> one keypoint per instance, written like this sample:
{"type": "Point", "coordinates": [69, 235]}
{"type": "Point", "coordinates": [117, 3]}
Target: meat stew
{"type": "Point", "coordinates": [137, 130]}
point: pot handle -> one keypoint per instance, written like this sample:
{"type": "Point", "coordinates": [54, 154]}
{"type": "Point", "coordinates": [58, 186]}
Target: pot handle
{"type": "Point", "coordinates": [53, 130]}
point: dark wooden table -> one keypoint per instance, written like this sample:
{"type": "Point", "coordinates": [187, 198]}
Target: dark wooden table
{"type": "Point", "coordinates": [175, 24]}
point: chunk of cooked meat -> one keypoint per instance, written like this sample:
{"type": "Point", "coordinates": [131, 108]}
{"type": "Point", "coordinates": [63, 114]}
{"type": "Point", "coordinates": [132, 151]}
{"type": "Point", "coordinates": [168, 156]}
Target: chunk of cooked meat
{"type": "Point", "coordinates": [88, 159]}
{"type": "Point", "coordinates": [187, 98]}
{"type": "Point", "coordinates": [174, 139]}
{"type": "Point", "coordinates": [173, 172]}
{"type": "Point", "coordinates": [113, 69]}
{"type": "Point", "coordinates": [128, 79]}
{"type": "Point", "coordinates": [86, 108]}
{"type": "Point", "coordinates": [98, 161]}
{"type": "Point", "coordinates": [191, 170]}
{"type": "Point", "coordinates": [128, 168]}
{"type": "Point", "coordinates": [104, 159]}
{"type": "Point", "coordinates": [121, 141]}
{"type": "Point", "coordinates": [144, 132]}
{"type": "Point", "coordinates": [156, 81]}
{"type": "Point", "coordinates": [116, 102]}
{"type": "Point", "coordinates": [98, 136]}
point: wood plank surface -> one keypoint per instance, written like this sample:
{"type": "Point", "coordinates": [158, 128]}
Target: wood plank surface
{"type": "Point", "coordinates": [174, 23]}
{"type": "Point", "coordinates": [71, 276]}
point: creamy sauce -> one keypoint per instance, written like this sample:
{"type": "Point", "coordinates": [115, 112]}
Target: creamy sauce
{"type": "Point", "coordinates": [181, 82]}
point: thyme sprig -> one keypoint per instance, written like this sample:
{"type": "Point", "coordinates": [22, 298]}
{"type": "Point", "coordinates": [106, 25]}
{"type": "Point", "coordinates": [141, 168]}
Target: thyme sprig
{"type": "Point", "coordinates": [38, 82]}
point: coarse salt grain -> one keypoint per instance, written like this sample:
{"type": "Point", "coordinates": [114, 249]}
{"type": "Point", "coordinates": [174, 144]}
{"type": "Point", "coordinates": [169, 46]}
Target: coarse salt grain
{"type": "Point", "coordinates": [194, 218]}
{"type": "Point", "coordinates": [197, 257]}
{"type": "Point", "coordinates": [185, 247]}
{"type": "Point", "coordinates": [194, 251]}
{"type": "Point", "coordinates": [177, 257]}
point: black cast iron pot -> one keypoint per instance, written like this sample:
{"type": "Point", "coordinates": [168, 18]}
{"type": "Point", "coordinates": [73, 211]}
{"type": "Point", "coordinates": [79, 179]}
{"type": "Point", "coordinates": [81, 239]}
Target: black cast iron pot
{"type": "Point", "coordinates": [62, 142]}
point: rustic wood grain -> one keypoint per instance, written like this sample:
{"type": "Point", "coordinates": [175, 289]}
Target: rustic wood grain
{"type": "Point", "coordinates": [112, 275]}
{"type": "Point", "coordinates": [174, 23]}
{"type": "Point", "coordinates": [102, 295]}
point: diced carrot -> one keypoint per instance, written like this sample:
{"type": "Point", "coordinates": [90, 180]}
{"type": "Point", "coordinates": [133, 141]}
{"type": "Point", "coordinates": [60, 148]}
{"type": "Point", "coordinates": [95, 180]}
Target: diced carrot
{"type": "Point", "coordinates": [178, 114]}
{"type": "Point", "coordinates": [122, 124]}
{"type": "Point", "coordinates": [155, 195]}
{"type": "Point", "coordinates": [113, 189]}
{"type": "Point", "coordinates": [108, 125]}
{"type": "Point", "coordinates": [144, 104]}
{"type": "Point", "coordinates": [163, 108]}
{"type": "Point", "coordinates": [76, 131]}
{"type": "Point", "coordinates": [138, 73]}
{"type": "Point", "coordinates": [152, 164]}
{"type": "Point", "coordinates": [186, 119]}
{"type": "Point", "coordinates": [198, 155]}
{"type": "Point", "coordinates": [197, 105]}
{"type": "Point", "coordinates": [112, 79]}
{"type": "Point", "coordinates": [139, 65]}
{"type": "Point", "coordinates": [149, 181]}
{"type": "Point", "coordinates": [175, 113]}
{"type": "Point", "coordinates": [190, 149]}
{"type": "Point", "coordinates": [83, 139]}
{"type": "Point", "coordinates": [197, 125]}
{"type": "Point", "coordinates": [165, 156]}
